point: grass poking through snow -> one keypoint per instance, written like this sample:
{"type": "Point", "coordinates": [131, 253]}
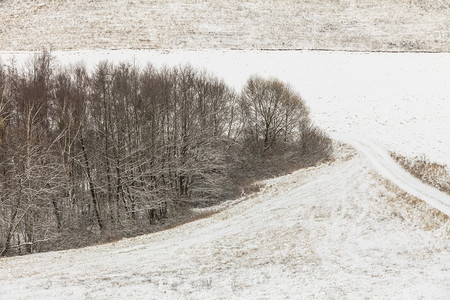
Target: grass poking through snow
{"type": "Point", "coordinates": [429, 172]}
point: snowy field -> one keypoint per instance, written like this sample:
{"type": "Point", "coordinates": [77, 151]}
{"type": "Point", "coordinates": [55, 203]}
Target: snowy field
{"type": "Point", "coordinates": [326, 232]}
{"type": "Point", "coordinates": [339, 230]}
{"type": "Point", "coordinates": [334, 231]}
{"type": "Point", "coordinates": [400, 101]}
{"type": "Point", "coordinates": [388, 25]}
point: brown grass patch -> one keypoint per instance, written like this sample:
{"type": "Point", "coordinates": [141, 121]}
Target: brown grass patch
{"type": "Point", "coordinates": [411, 209]}
{"type": "Point", "coordinates": [428, 172]}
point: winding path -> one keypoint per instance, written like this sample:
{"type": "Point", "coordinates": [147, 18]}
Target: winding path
{"type": "Point", "coordinates": [389, 169]}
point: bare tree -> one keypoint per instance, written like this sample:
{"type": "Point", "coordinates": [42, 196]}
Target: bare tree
{"type": "Point", "coordinates": [271, 110]}
{"type": "Point", "coordinates": [31, 176]}
{"type": "Point", "coordinates": [90, 156]}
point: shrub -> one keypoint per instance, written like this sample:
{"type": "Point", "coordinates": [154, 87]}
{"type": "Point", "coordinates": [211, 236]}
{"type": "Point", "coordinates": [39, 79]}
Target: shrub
{"type": "Point", "coordinates": [316, 146]}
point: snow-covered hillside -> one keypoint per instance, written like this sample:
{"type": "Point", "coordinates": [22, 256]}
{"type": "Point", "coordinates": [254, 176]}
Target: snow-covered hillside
{"type": "Point", "coordinates": [401, 101]}
{"type": "Point", "coordinates": [406, 25]}
{"type": "Point", "coordinates": [339, 230]}
{"type": "Point", "coordinates": [331, 231]}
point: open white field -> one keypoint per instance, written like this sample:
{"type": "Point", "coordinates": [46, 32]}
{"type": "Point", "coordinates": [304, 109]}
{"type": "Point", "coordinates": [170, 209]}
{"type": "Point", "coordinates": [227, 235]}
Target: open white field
{"type": "Point", "coordinates": [388, 25]}
{"type": "Point", "coordinates": [326, 232]}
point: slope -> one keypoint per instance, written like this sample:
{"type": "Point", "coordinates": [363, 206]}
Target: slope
{"type": "Point", "coordinates": [389, 169]}
{"type": "Point", "coordinates": [322, 232]}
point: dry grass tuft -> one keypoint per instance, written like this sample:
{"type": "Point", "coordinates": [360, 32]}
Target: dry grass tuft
{"type": "Point", "coordinates": [428, 172]}
{"type": "Point", "coordinates": [413, 210]}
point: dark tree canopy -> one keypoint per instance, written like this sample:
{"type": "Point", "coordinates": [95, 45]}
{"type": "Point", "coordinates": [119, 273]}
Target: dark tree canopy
{"type": "Point", "coordinates": [118, 151]}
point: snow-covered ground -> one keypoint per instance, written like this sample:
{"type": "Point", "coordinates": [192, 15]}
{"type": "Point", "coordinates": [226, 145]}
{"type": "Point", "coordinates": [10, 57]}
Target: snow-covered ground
{"type": "Point", "coordinates": [334, 231]}
{"type": "Point", "coordinates": [327, 232]}
{"type": "Point", "coordinates": [400, 101]}
{"type": "Point", "coordinates": [389, 169]}
{"type": "Point", "coordinates": [407, 25]}
{"type": "Point", "coordinates": [331, 231]}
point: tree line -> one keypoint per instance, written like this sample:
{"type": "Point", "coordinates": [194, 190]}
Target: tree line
{"type": "Point", "coordinates": [122, 149]}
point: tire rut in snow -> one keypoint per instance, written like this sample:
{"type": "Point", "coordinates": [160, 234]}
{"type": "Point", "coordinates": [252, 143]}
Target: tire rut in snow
{"type": "Point", "coordinates": [389, 169]}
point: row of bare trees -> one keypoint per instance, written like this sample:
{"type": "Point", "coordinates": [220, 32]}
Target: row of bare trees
{"type": "Point", "coordinates": [121, 148]}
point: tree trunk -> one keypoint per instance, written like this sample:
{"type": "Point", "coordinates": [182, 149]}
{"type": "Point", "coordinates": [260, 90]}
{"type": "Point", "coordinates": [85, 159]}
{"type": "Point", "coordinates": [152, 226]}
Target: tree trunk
{"type": "Point", "coordinates": [91, 186]}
